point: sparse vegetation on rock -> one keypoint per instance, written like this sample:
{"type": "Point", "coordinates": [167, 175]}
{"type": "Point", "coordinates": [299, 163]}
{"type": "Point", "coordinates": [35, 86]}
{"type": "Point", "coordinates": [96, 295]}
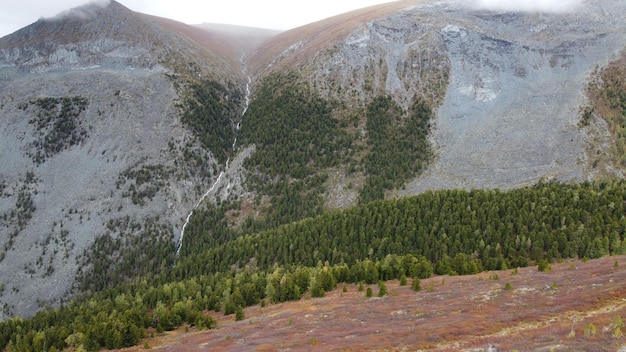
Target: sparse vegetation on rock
{"type": "Point", "coordinates": [58, 125]}
{"type": "Point", "coordinates": [607, 91]}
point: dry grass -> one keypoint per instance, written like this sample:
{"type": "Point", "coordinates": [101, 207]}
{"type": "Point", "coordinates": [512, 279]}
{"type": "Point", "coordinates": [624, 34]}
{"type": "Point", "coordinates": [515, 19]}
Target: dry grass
{"type": "Point", "coordinates": [319, 36]}
{"type": "Point", "coordinates": [459, 313]}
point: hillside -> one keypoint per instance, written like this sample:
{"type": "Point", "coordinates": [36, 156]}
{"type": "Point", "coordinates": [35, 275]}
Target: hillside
{"type": "Point", "coordinates": [451, 313]}
{"type": "Point", "coordinates": [449, 233]}
{"type": "Point", "coordinates": [140, 148]}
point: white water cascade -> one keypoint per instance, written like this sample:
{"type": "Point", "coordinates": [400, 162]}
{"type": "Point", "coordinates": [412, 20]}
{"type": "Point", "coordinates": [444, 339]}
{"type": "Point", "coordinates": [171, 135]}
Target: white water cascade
{"type": "Point", "coordinates": [182, 231]}
{"type": "Point", "coordinates": [245, 108]}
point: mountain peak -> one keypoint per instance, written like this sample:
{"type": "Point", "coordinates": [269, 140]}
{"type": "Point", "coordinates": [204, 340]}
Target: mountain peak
{"type": "Point", "coordinates": [89, 21]}
{"type": "Point", "coordinates": [88, 11]}
{"type": "Point", "coordinates": [105, 34]}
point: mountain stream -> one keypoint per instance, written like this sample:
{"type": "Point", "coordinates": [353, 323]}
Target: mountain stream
{"type": "Point", "coordinates": [214, 185]}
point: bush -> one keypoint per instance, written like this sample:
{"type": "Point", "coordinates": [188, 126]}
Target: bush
{"type": "Point", "coordinates": [590, 330]}
{"type": "Point", "coordinates": [544, 266]}
{"type": "Point", "coordinates": [616, 327]}
{"type": "Point", "coordinates": [368, 292]}
{"type": "Point", "coordinates": [317, 291]}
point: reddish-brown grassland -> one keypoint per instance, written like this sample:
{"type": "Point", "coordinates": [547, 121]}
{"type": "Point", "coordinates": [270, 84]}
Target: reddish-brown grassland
{"type": "Point", "coordinates": [536, 311]}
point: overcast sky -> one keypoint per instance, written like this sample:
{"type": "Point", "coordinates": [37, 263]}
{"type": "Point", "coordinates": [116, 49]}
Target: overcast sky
{"type": "Point", "coordinates": [274, 14]}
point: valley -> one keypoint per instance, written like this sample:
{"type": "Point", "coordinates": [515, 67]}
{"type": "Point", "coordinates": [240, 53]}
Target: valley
{"type": "Point", "coordinates": [216, 183]}
{"type": "Point", "coordinates": [157, 176]}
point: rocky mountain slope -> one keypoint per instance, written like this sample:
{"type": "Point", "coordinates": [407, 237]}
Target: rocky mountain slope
{"type": "Point", "coordinates": [508, 85]}
{"type": "Point", "coordinates": [107, 133]}
{"type": "Point", "coordinates": [92, 138]}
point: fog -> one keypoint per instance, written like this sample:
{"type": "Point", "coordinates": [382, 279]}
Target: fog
{"type": "Point", "coordinates": [272, 14]}
{"type": "Point", "coordinates": [83, 11]}
{"type": "Point", "coordinates": [553, 6]}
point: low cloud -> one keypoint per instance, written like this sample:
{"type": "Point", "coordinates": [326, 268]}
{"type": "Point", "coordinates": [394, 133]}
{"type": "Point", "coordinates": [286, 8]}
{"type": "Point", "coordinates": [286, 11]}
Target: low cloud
{"type": "Point", "coordinates": [554, 6]}
{"type": "Point", "coordinates": [85, 11]}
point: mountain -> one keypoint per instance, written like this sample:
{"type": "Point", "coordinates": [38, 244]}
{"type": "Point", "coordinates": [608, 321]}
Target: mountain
{"type": "Point", "coordinates": [507, 85]}
{"type": "Point", "coordinates": [116, 126]}
{"type": "Point", "coordinates": [92, 137]}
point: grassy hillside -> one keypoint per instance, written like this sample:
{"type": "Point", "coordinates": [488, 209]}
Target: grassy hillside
{"type": "Point", "coordinates": [577, 306]}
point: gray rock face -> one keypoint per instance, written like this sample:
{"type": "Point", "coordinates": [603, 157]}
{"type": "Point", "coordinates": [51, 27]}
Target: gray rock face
{"type": "Point", "coordinates": [394, 55]}
{"type": "Point", "coordinates": [510, 114]}
{"type": "Point", "coordinates": [130, 120]}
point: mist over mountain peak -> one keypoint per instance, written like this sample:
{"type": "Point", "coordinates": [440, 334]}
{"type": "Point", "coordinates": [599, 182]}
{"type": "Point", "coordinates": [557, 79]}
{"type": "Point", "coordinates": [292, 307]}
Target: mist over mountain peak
{"type": "Point", "coordinates": [547, 6]}
{"type": "Point", "coordinates": [83, 12]}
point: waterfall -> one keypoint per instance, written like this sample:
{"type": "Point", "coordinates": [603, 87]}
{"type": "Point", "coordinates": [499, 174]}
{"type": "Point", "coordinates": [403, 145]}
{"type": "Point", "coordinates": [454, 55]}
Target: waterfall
{"type": "Point", "coordinates": [182, 231]}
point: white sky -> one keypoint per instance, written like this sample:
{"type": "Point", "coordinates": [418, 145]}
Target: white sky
{"type": "Point", "coordinates": [273, 14]}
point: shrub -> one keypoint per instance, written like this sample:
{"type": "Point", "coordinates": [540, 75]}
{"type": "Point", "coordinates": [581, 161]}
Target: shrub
{"type": "Point", "coordinates": [416, 285]}
{"type": "Point", "coordinates": [544, 266]}
{"type": "Point", "coordinates": [317, 291]}
{"type": "Point", "coordinates": [382, 289]}
{"type": "Point", "coordinates": [616, 327]}
{"type": "Point", "coordinates": [590, 330]}
{"type": "Point", "coordinates": [239, 314]}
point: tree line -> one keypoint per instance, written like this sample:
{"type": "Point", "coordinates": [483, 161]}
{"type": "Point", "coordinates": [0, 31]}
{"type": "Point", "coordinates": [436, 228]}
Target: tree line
{"type": "Point", "coordinates": [498, 229]}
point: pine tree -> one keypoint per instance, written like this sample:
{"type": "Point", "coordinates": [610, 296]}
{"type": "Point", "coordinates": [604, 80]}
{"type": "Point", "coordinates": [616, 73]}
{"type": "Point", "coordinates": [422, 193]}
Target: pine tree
{"type": "Point", "coordinates": [416, 285]}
